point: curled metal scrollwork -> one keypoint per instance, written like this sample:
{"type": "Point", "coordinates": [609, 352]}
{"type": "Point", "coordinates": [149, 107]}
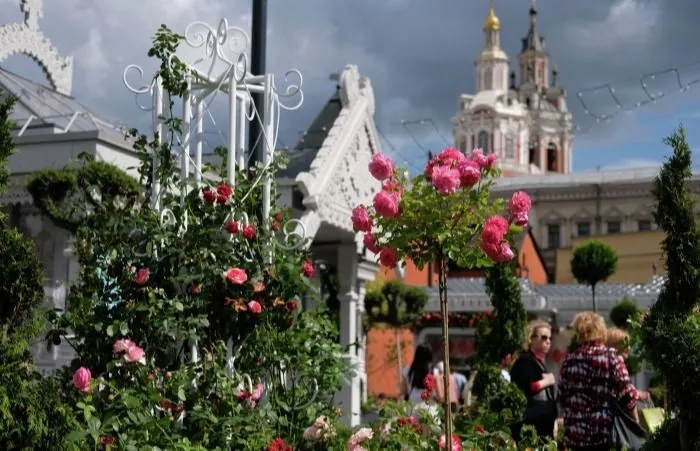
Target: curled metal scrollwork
{"type": "Point", "coordinates": [293, 235]}
{"type": "Point", "coordinates": [292, 87]}
{"type": "Point", "coordinates": [140, 249]}
{"type": "Point", "coordinates": [144, 89]}
{"type": "Point", "coordinates": [223, 43]}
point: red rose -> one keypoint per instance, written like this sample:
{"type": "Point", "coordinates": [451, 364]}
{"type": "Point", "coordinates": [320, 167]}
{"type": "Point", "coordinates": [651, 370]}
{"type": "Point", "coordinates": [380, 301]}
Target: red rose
{"type": "Point", "coordinates": [279, 216]}
{"type": "Point", "coordinates": [142, 275]}
{"type": "Point", "coordinates": [249, 232]}
{"type": "Point", "coordinates": [308, 269]}
{"type": "Point", "coordinates": [232, 226]}
{"type": "Point", "coordinates": [209, 195]}
{"type": "Point", "coordinates": [292, 305]}
{"type": "Point", "coordinates": [108, 440]}
{"type": "Point", "coordinates": [275, 226]}
{"type": "Point", "coordinates": [223, 193]}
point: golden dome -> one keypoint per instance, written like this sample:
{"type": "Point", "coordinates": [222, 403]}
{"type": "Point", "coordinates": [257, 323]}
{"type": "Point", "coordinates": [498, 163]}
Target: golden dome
{"type": "Point", "coordinates": [492, 22]}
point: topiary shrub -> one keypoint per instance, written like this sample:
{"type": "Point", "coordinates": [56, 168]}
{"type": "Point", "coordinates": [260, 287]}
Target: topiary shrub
{"type": "Point", "coordinates": [671, 331]}
{"type": "Point", "coordinates": [623, 312]}
{"type": "Point", "coordinates": [592, 263]}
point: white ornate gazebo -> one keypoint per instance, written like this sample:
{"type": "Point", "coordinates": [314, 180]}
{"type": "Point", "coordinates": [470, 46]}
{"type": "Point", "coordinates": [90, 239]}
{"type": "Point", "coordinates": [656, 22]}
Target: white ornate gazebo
{"type": "Point", "coordinates": [326, 178]}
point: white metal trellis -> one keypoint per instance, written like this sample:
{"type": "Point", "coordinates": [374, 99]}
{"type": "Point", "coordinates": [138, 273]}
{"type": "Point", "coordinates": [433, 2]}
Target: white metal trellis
{"type": "Point", "coordinates": [224, 56]}
{"type": "Point", "coordinates": [223, 69]}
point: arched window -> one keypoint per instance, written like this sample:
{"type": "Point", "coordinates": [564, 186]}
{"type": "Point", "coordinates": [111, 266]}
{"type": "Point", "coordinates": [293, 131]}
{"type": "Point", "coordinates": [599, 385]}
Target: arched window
{"type": "Point", "coordinates": [552, 158]}
{"type": "Point", "coordinates": [488, 79]}
{"type": "Point", "coordinates": [510, 146]}
{"type": "Point", "coordinates": [483, 142]}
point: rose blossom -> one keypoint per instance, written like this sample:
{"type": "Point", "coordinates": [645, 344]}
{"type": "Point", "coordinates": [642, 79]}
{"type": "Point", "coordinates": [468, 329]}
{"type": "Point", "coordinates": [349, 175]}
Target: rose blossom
{"type": "Point", "coordinates": [307, 269]}
{"type": "Point", "coordinates": [236, 276]}
{"type": "Point", "coordinates": [478, 157]}
{"type": "Point", "coordinates": [519, 205]}
{"type": "Point", "coordinates": [381, 167]}
{"type": "Point", "coordinates": [232, 226]}
{"type": "Point", "coordinates": [135, 354]}
{"type": "Point", "coordinates": [456, 442]}
{"type": "Point", "coordinates": [495, 228]}
{"type": "Point", "coordinates": [450, 157]}
{"type": "Point", "coordinates": [370, 243]}
{"type": "Point", "coordinates": [122, 345]}
{"type": "Point", "coordinates": [209, 195]}
{"type": "Point", "coordinates": [255, 307]}
{"type": "Point", "coordinates": [81, 379]}
{"type": "Point", "coordinates": [388, 257]}
{"type": "Point", "coordinates": [142, 275]}
{"type": "Point", "coordinates": [358, 438]}
{"type": "Point", "coordinates": [445, 179]}
{"type": "Point", "coordinates": [469, 173]}
{"type": "Point", "coordinates": [505, 253]}
{"type": "Point", "coordinates": [491, 160]}
{"type": "Point", "coordinates": [223, 193]}
{"type": "Point", "coordinates": [361, 222]}
{"type": "Point", "coordinates": [386, 204]}
{"type": "Point", "coordinates": [248, 232]}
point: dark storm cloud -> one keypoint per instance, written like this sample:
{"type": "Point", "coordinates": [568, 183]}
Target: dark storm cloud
{"type": "Point", "coordinates": [418, 54]}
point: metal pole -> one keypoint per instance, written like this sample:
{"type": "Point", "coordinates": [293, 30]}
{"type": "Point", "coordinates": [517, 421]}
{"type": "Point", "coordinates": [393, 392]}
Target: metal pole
{"type": "Point", "coordinates": [257, 67]}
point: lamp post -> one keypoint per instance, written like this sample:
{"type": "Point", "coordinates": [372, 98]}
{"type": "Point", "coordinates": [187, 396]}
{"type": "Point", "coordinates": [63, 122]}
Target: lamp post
{"type": "Point", "coordinates": [257, 67]}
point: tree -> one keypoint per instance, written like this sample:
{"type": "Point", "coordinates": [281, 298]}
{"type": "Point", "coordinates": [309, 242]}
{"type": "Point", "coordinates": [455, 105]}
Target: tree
{"type": "Point", "coordinates": [671, 331]}
{"type": "Point", "coordinates": [623, 312]}
{"type": "Point", "coordinates": [592, 263]}
{"type": "Point", "coordinates": [31, 415]}
{"type": "Point", "coordinates": [396, 305]}
{"type": "Point", "coordinates": [505, 333]}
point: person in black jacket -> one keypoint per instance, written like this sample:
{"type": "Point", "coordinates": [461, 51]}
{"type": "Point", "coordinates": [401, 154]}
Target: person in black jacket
{"type": "Point", "coordinates": [532, 377]}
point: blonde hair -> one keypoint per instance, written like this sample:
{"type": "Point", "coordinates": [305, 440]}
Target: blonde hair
{"type": "Point", "coordinates": [590, 328]}
{"type": "Point", "coordinates": [532, 328]}
{"type": "Point", "coordinates": [618, 339]}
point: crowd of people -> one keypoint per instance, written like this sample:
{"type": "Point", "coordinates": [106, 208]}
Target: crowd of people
{"type": "Point", "coordinates": [593, 385]}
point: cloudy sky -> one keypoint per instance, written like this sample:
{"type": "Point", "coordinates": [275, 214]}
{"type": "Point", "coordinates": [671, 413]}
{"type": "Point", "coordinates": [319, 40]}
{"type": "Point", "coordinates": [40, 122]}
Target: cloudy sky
{"type": "Point", "coordinates": [419, 56]}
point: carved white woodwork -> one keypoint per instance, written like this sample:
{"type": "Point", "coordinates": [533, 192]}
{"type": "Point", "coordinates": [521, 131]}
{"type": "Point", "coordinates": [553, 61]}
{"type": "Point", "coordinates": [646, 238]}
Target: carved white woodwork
{"type": "Point", "coordinates": [27, 39]}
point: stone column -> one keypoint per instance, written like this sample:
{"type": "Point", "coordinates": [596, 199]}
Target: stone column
{"type": "Point", "coordinates": [367, 269]}
{"type": "Point", "coordinates": [349, 397]}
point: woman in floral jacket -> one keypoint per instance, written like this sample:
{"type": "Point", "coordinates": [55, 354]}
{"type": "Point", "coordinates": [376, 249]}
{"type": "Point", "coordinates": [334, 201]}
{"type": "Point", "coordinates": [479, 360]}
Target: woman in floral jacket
{"type": "Point", "coordinates": [591, 379]}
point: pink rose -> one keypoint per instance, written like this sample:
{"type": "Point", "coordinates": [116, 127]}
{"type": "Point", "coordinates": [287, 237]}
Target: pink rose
{"type": "Point", "coordinates": [236, 276]}
{"type": "Point", "coordinates": [386, 204]}
{"type": "Point", "coordinates": [122, 345]}
{"type": "Point", "coordinates": [370, 243]}
{"type": "Point", "coordinates": [388, 257]}
{"type": "Point", "coordinates": [520, 219]}
{"type": "Point", "coordinates": [135, 354]}
{"type": "Point", "coordinates": [361, 222]}
{"type": "Point", "coordinates": [478, 157]}
{"type": "Point", "coordinates": [142, 275]}
{"type": "Point", "coordinates": [428, 171]}
{"type": "Point", "coordinates": [308, 269]}
{"type": "Point", "coordinates": [445, 179]}
{"type": "Point", "coordinates": [491, 249]}
{"type": "Point", "coordinates": [491, 160]}
{"type": "Point", "coordinates": [255, 307]}
{"type": "Point", "coordinates": [249, 232]}
{"type": "Point", "coordinates": [519, 203]}
{"type": "Point", "coordinates": [81, 379]}
{"type": "Point", "coordinates": [495, 228]}
{"type": "Point", "coordinates": [505, 253]}
{"type": "Point", "coordinates": [450, 157]}
{"type": "Point", "coordinates": [469, 174]}
{"type": "Point", "coordinates": [456, 442]}
{"type": "Point", "coordinates": [392, 186]}
{"type": "Point", "coordinates": [381, 167]}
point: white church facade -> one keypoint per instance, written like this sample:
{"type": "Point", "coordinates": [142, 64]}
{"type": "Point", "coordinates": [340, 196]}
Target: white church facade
{"type": "Point", "coordinates": [526, 123]}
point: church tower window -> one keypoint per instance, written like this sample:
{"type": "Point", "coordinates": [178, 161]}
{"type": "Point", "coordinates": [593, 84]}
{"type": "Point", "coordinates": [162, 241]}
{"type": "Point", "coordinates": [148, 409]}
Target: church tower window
{"type": "Point", "coordinates": [463, 144]}
{"type": "Point", "coordinates": [483, 142]}
{"type": "Point", "coordinates": [552, 158]}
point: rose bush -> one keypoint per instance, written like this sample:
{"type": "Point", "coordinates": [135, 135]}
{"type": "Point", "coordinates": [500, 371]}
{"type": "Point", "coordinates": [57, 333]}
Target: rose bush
{"type": "Point", "coordinates": [443, 214]}
{"type": "Point", "coordinates": [186, 320]}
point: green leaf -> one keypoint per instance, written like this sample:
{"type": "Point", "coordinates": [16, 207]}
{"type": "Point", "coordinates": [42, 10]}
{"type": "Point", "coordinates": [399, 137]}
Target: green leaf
{"type": "Point", "coordinates": [181, 393]}
{"type": "Point", "coordinates": [178, 306]}
{"type": "Point", "coordinates": [124, 328]}
{"type": "Point", "coordinates": [110, 331]}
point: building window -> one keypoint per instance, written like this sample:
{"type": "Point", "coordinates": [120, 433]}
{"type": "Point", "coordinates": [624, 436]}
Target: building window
{"type": "Point", "coordinates": [510, 146]}
{"type": "Point", "coordinates": [644, 225]}
{"type": "Point", "coordinates": [614, 227]}
{"type": "Point", "coordinates": [583, 229]}
{"type": "Point", "coordinates": [488, 79]}
{"type": "Point", "coordinates": [483, 142]}
{"type": "Point", "coordinates": [553, 236]}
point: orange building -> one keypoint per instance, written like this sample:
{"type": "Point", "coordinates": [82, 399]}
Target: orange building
{"type": "Point", "coordinates": [382, 351]}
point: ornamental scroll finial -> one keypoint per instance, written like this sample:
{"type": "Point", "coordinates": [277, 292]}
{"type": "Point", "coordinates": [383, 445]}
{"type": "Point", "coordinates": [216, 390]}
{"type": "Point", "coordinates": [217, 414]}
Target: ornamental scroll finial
{"type": "Point", "coordinates": [26, 38]}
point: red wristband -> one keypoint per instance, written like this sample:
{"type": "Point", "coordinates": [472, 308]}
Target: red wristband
{"type": "Point", "coordinates": [535, 387]}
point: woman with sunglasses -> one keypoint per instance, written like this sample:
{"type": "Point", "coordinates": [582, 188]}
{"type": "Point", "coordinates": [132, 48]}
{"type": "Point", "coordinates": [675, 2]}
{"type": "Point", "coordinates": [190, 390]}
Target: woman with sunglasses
{"type": "Point", "coordinates": [531, 376]}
